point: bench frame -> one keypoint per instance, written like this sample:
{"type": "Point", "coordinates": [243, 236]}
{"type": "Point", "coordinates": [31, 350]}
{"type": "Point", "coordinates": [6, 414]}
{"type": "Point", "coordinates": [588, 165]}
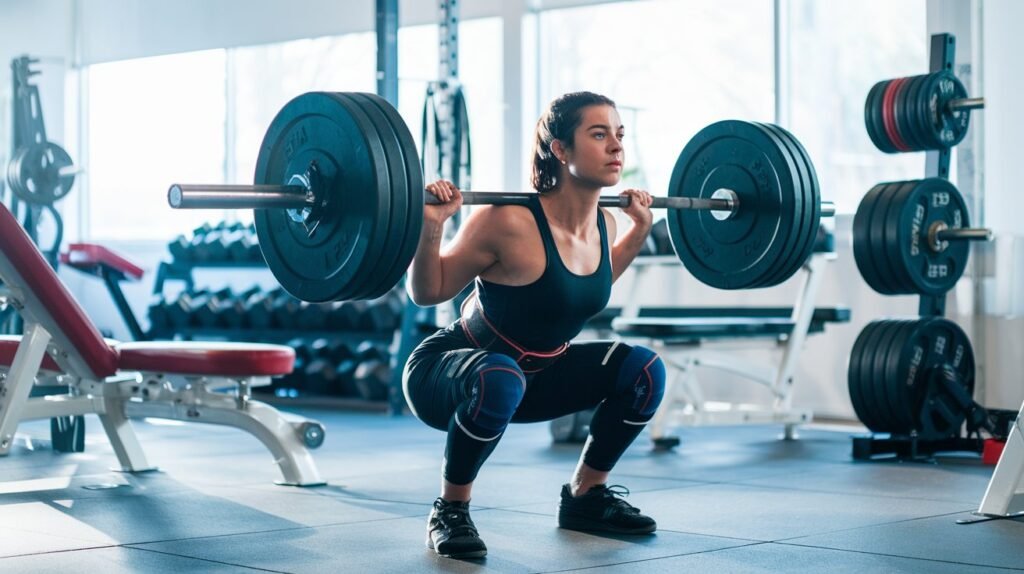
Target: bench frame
{"type": "Point", "coordinates": [684, 403]}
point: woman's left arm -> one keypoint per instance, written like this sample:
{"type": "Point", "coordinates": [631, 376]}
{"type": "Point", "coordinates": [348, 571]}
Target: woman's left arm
{"type": "Point", "coordinates": [626, 247]}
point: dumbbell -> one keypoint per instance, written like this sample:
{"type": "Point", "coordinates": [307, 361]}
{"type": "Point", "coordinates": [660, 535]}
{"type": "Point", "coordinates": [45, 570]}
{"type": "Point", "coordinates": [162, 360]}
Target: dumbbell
{"type": "Point", "coordinates": [180, 249]}
{"type": "Point", "coordinates": [158, 320]}
{"type": "Point", "coordinates": [321, 373]}
{"type": "Point", "coordinates": [209, 247]}
{"type": "Point", "coordinates": [242, 248]}
{"type": "Point", "coordinates": [312, 316]}
{"type": "Point", "coordinates": [369, 350]}
{"type": "Point", "coordinates": [285, 309]}
{"type": "Point", "coordinates": [346, 315]}
{"type": "Point", "coordinates": [222, 249]}
{"type": "Point", "coordinates": [259, 309]}
{"type": "Point", "coordinates": [333, 349]}
{"type": "Point", "coordinates": [372, 378]}
{"type": "Point", "coordinates": [232, 312]}
{"type": "Point", "coordinates": [205, 310]}
{"type": "Point", "coordinates": [382, 315]}
{"type": "Point", "coordinates": [179, 311]}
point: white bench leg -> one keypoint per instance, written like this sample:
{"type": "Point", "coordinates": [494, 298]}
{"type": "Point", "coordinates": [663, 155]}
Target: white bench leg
{"type": "Point", "coordinates": [15, 389]}
{"type": "Point", "coordinates": [122, 437]}
{"type": "Point", "coordinates": [282, 437]}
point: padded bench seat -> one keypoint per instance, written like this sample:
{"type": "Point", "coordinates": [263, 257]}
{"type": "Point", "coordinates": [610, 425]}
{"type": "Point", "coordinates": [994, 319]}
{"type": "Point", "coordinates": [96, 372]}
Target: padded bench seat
{"type": "Point", "coordinates": [185, 358]}
{"type": "Point", "coordinates": [202, 358]}
{"type": "Point", "coordinates": [692, 324]}
{"type": "Point", "coordinates": [680, 330]}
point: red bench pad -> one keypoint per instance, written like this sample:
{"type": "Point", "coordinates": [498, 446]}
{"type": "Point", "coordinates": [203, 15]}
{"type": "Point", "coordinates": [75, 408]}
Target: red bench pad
{"type": "Point", "coordinates": [203, 358]}
{"type": "Point", "coordinates": [89, 256]}
{"type": "Point", "coordinates": [183, 358]}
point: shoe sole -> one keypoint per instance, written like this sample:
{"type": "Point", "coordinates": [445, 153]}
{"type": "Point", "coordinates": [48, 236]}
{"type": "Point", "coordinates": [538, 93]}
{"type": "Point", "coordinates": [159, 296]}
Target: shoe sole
{"type": "Point", "coordinates": [586, 525]}
{"type": "Point", "coordinates": [473, 554]}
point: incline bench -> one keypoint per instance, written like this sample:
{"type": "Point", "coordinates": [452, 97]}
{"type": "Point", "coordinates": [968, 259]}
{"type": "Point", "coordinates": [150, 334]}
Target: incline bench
{"type": "Point", "coordinates": [120, 381]}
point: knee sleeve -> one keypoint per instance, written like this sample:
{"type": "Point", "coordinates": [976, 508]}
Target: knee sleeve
{"type": "Point", "coordinates": [620, 419]}
{"type": "Point", "coordinates": [496, 388]}
{"type": "Point", "coordinates": [641, 383]}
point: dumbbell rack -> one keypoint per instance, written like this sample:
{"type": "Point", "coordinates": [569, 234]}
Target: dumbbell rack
{"type": "Point", "coordinates": [912, 446]}
{"type": "Point", "coordinates": [282, 390]}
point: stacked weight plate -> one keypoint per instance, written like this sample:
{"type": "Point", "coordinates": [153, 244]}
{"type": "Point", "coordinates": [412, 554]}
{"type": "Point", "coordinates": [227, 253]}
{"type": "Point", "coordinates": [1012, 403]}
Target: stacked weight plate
{"type": "Point", "coordinates": [912, 376]}
{"type": "Point", "coordinates": [773, 233]}
{"type": "Point", "coordinates": [913, 114]}
{"type": "Point", "coordinates": [891, 243]}
{"type": "Point", "coordinates": [360, 246]}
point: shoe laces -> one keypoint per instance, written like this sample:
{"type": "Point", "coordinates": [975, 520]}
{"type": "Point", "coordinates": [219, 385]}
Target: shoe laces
{"type": "Point", "coordinates": [615, 495]}
{"type": "Point", "coordinates": [456, 520]}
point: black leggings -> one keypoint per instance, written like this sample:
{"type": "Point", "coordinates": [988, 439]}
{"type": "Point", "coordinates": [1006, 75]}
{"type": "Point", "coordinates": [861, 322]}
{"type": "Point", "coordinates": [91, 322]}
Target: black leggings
{"type": "Point", "coordinates": [473, 394]}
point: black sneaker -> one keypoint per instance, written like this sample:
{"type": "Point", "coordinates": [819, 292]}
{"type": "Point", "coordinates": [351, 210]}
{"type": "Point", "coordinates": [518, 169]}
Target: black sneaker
{"type": "Point", "coordinates": [602, 509]}
{"type": "Point", "coordinates": [451, 532]}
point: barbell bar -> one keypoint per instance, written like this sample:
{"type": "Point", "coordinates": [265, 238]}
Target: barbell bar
{"type": "Point", "coordinates": [191, 196]}
{"type": "Point", "coordinates": [339, 194]}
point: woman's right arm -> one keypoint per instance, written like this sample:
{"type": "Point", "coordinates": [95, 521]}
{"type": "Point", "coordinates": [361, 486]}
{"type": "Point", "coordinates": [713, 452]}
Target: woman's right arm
{"type": "Point", "coordinates": [435, 277]}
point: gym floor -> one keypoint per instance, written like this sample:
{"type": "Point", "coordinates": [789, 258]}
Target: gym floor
{"type": "Point", "coordinates": [730, 499]}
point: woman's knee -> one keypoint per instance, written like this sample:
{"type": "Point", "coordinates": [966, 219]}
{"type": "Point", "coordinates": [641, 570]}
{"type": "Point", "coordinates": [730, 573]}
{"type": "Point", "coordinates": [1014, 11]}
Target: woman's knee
{"type": "Point", "coordinates": [641, 381]}
{"type": "Point", "coordinates": [496, 389]}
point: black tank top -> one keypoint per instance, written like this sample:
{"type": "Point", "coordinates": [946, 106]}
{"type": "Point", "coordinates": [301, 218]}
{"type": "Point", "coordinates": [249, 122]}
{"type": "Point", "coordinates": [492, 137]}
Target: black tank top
{"type": "Point", "coordinates": [553, 309]}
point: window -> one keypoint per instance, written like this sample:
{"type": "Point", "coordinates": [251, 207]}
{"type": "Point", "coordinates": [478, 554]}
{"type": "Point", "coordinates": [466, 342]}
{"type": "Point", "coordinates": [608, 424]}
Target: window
{"type": "Point", "coordinates": [152, 122]}
{"type": "Point", "coordinates": [672, 67]}
{"type": "Point", "coordinates": [480, 51]}
{"type": "Point", "coordinates": [264, 78]}
{"type": "Point", "coordinates": [838, 50]}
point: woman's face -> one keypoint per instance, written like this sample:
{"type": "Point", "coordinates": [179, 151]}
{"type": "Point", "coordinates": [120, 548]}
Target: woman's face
{"type": "Point", "coordinates": [597, 154]}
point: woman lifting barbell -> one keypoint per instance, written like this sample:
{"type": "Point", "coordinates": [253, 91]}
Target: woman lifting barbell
{"type": "Point", "coordinates": [540, 273]}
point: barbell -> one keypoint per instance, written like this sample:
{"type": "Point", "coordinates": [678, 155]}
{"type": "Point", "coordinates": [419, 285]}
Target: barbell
{"type": "Point", "coordinates": [338, 196]}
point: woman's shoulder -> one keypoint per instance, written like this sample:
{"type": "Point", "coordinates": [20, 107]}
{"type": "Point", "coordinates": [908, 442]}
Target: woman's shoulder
{"type": "Point", "coordinates": [609, 221]}
{"type": "Point", "coordinates": [504, 218]}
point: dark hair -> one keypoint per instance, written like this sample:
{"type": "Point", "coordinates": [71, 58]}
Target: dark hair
{"type": "Point", "coordinates": [558, 122]}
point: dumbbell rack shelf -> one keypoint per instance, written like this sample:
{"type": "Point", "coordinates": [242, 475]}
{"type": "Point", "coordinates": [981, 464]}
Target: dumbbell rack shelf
{"type": "Point", "coordinates": [182, 271]}
{"type": "Point", "coordinates": [324, 402]}
{"type": "Point", "coordinates": [267, 335]}
{"type": "Point", "coordinates": [288, 391]}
